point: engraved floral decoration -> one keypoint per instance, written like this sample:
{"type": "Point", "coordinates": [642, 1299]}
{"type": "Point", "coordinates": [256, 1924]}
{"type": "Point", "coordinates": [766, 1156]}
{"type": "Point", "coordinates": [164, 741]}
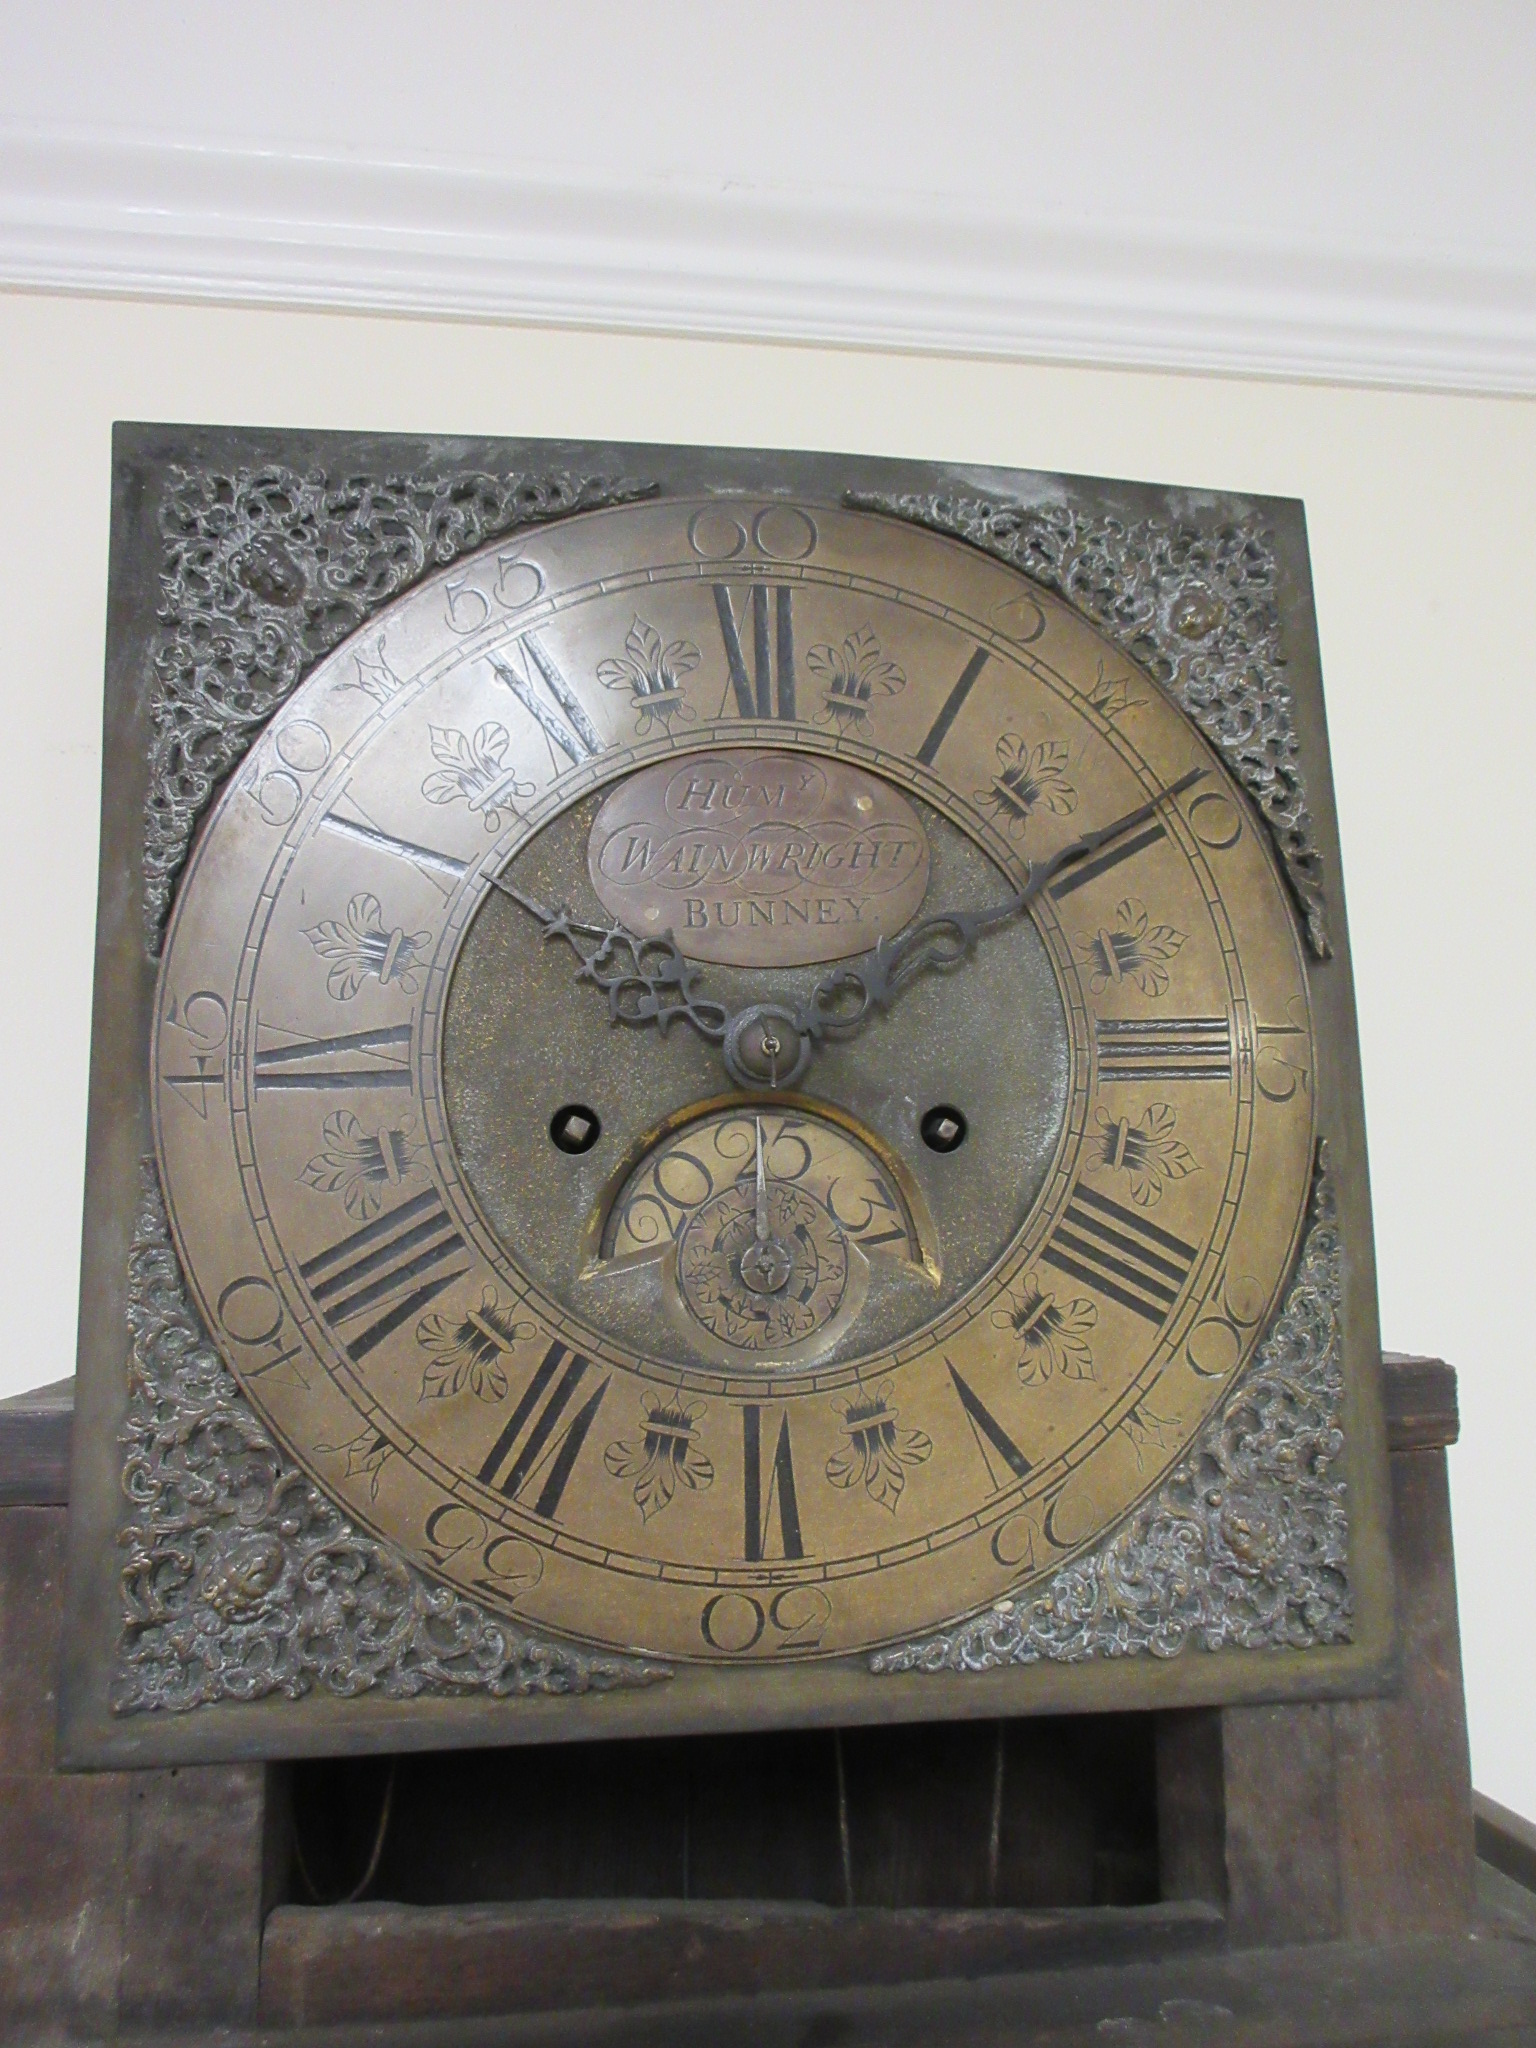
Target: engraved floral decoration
{"type": "Point", "coordinates": [1192, 596]}
{"type": "Point", "coordinates": [1111, 695]}
{"type": "Point", "coordinates": [1146, 1430]}
{"type": "Point", "coordinates": [241, 1580]}
{"type": "Point", "coordinates": [653, 675]}
{"type": "Point", "coordinates": [1052, 1334]}
{"type": "Point", "coordinates": [470, 1350]}
{"type": "Point", "coordinates": [666, 1452]}
{"type": "Point", "coordinates": [375, 678]}
{"type": "Point", "coordinates": [366, 943]}
{"type": "Point", "coordinates": [367, 1453]}
{"type": "Point", "coordinates": [1028, 779]}
{"type": "Point", "coordinates": [1132, 949]}
{"type": "Point", "coordinates": [472, 772]}
{"type": "Point", "coordinates": [1244, 1544]}
{"type": "Point", "coordinates": [853, 675]}
{"type": "Point", "coordinates": [878, 1452]}
{"type": "Point", "coordinates": [267, 567]}
{"type": "Point", "coordinates": [1145, 1150]}
{"type": "Point", "coordinates": [360, 1165]}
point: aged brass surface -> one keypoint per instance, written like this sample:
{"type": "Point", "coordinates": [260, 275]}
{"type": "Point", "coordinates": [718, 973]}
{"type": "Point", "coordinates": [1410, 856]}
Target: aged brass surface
{"type": "Point", "coordinates": [759, 858]}
{"type": "Point", "coordinates": [440, 1311]}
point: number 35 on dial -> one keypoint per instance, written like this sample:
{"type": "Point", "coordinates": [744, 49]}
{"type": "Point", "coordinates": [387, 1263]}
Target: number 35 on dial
{"type": "Point", "coordinates": [602, 1314]}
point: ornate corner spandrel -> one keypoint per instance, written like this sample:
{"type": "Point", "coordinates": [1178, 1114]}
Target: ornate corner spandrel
{"type": "Point", "coordinates": [240, 1580]}
{"type": "Point", "coordinates": [268, 569]}
{"type": "Point", "coordinates": [1245, 1545]}
{"type": "Point", "coordinates": [1195, 605]}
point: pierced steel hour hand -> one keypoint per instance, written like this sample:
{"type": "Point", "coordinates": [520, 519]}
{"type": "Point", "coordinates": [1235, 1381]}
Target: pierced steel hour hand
{"type": "Point", "coordinates": [647, 981]}
{"type": "Point", "coordinates": [769, 1044]}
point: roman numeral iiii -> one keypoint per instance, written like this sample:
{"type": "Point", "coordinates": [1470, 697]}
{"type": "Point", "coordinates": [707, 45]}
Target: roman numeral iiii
{"type": "Point", "coordinates": [1120, 1254]}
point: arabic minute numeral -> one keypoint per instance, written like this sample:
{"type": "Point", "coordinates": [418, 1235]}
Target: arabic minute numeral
{"type": "Point", "coordinates": [303, 748]}
{"type": "Point", "coordinates": [794, 1619]}
{"type": "Point", "coordinates": [250, 1312]}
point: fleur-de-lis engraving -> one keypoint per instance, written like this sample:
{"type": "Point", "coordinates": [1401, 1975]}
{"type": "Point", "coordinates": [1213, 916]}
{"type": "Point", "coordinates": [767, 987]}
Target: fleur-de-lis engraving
{"type": "Point", "coordinates": [666, 1451]}
{"type": "Point", "coordinates": [1145, 1150]}
{"type": "Point", "coordinates": [359, 1165]}
{"type": "Point", "coordinates": [469, 1350]}
{"type": "Point", "coordinates": [1052, 1335]}
{"type": "Point", "coordinates": [653, 675]}
{"type": "Point", "coordinates": [1111, 695]}
{"type": "Point", "coordinates": [366, 943]}
{"type": "Point", "coordinates": [367, 1453]}
{"type": "Point", "coordinates": [375, 678]}
{"type": "Point", "coordinates": [878, 1451]}
{"type": "Point", "coordinates": [1028, 779]}
{"type": "Point", "coordinates": [854, 675]}
{"type": "Point", "coordinates": [1145, 1430]}
{"type": "Point", "coordinates": [472, 772]}
{"type": "Point", "coordinates": [1131, 949]}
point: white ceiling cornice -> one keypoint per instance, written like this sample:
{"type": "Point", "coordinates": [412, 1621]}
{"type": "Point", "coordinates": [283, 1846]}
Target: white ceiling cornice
{"type": "Point", "coordinates": [1299, 192]}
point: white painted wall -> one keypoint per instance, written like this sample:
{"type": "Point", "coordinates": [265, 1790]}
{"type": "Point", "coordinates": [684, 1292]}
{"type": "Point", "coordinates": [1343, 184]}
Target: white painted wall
{"type": "Point", "coordinates": [1289, 186]}
{"type": "Point", "coordinates": [1422, 513]}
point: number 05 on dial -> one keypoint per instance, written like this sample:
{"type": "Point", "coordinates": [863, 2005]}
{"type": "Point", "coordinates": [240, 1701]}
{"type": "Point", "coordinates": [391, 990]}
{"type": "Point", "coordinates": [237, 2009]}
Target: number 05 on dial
{"type": "Point", "coordinates": [557, 1189]}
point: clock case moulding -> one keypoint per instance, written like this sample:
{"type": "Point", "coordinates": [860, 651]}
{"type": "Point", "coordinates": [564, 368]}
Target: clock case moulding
{"type": "Point", "coordinates": [219, 1605]}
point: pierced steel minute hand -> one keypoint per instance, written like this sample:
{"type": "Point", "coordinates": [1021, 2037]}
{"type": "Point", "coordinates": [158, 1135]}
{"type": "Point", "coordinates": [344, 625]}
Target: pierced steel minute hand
{"type": "Point", "coordinates": [841, 1001]}
{"type": "Point", "coordinates": [770, 1044]}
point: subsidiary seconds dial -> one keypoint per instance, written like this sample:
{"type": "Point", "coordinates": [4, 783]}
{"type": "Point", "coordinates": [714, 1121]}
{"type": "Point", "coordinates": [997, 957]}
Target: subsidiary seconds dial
{"type": "Point", "coordinates": [554, 1162]}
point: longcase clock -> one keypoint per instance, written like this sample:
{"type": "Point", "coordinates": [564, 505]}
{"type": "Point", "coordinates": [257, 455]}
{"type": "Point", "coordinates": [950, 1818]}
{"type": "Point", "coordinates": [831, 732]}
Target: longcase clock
{"type": "Point", "coordinates": [724, 1093]}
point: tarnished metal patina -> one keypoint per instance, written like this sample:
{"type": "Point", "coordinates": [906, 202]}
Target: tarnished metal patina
{"type": "Point", "coordinates": [759, 859]}
{"type": "Point", "coordinates": [734, 1081]}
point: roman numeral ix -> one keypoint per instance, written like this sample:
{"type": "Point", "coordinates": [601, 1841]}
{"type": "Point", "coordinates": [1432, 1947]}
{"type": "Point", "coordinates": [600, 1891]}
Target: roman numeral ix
{"type": "Point", "coordinates": [1121, 1254]}
{"type": "Point", "coordinates": [769, 691]}
{"type": "Point", "coordinates": [537, 1450]}
{"type": "Point", "coordinates": [394, 1265]}
{"type": "Point", "coordinates": [1164, 1049]}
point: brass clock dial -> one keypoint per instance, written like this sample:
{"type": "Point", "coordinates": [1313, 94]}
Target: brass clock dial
{"type": "Point", "coordinates": [733, 1080]}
